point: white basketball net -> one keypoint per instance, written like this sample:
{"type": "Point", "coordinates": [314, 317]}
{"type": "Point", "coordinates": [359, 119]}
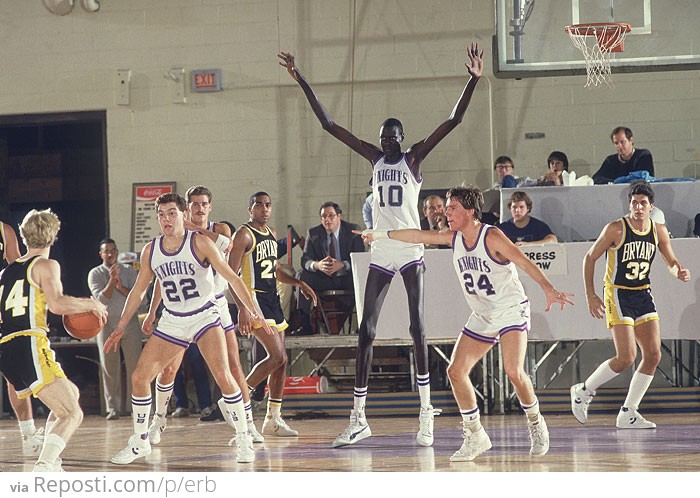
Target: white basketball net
{"type": "Point", "coordinates": [596, 44]}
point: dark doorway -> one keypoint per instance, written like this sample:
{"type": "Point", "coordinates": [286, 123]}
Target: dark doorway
{"type": "Point", "coordinates": [58, 161]}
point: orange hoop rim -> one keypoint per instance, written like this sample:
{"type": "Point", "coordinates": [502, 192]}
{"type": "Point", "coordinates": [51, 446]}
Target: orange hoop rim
{"type": "Point", "coordinates": [592, 28]}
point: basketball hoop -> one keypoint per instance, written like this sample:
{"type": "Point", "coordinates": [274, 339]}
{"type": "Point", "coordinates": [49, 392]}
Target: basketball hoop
{"type": "Point", "coordinates": [597, 41]}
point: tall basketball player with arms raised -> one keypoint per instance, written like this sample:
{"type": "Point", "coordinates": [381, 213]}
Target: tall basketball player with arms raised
{"type": "Point", "coordinates": [396, 182]}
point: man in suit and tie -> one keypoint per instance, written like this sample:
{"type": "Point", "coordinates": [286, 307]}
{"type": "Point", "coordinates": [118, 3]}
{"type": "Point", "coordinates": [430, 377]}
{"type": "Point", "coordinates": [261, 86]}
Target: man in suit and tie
{"type": "Point", "coordinates": [326, 259]}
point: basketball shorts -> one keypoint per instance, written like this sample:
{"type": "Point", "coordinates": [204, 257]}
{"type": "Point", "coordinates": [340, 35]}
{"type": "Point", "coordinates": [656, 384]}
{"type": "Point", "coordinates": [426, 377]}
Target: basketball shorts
{"type": "Point", "coordinates": [489, 328]}
{"type": "Point", "coordinates": [269, 303]}
{"type": "Point", "coordinates": [225, 313]}
{"type": "Point", "coordinates": [628, 307]}
{"type": "Point", "coordinates": [390, 258]}
{"type": "Point", "coordinates": [183, 329]}
{"type": "Point", "coordinates": [29, 363]}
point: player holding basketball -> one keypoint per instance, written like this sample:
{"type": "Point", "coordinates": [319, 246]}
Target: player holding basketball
{"type": "Point", "coordinates": [396, 183]}
{"type": "Point", "coordinates": [630, 245]}
{"type": "Point", "coordinates": [28, 287]}
{"type": "Point", "coordinates": [182, 262]}
{"type": "Point", "coordinates": [485, 260]}
{"type": "Point", "coordinates": [254, 256]}
{"type": "Point", "coordinates": [199, 208]}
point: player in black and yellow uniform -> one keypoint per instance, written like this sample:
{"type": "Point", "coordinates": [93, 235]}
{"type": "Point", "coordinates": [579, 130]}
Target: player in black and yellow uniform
{"type": "Point", "coordinates": [28, 287]}
{"type": "Point", "coordinates": [32, 438]}
{"type": "Point", "coordinates": [630, 244]}
{"type": "Point", "coordinates": [254, 255]}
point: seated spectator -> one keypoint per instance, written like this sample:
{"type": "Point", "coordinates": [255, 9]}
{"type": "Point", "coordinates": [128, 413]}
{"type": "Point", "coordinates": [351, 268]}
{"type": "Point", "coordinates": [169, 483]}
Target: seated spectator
{"type": "Point", "coordinates": [627, 159]}
{"type": "Point", "coordinates": [523, 229]}
{"type": "Point", "coordinates": [557, 162]}
{"type": "Point", "coordinates": [326, 259]}
{"type": "Point", "coordinates": [435, 219]}
{"type": "Point", "coordinates": [504, 168]}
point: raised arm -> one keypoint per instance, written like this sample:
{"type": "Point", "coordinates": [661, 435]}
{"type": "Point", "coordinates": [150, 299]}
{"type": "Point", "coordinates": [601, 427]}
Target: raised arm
{"type": "Point", "coordinates": [674, 266]}
{"type": "Point", "coordinates": [475, 68]}
{"type": "Point", "coordinates": [368, 151]}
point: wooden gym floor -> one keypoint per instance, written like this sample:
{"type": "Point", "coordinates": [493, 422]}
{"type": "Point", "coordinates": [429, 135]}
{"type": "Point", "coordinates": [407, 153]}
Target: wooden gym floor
{"type": "Point", "coordinates": [189, 445]}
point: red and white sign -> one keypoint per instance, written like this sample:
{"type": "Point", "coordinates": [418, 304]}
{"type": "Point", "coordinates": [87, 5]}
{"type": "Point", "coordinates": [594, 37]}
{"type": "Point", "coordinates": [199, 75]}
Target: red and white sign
{"type": "Point", "coordinates": [206, 80]}
{"type": "Point", "coordinates": [144, 222]}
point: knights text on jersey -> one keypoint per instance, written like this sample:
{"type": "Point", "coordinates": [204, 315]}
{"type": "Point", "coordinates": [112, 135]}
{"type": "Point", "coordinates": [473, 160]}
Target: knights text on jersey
{"type": "Point", "coordinates": [629, 263]}
{"type": "Point", "coordinates": [487, 284]}
{"type": "Point", "coordinates": [259, 267]}
{"type": "Point", "coordinates": [23, 305]}
{"type": "Point", "coordinates": [186, 283]}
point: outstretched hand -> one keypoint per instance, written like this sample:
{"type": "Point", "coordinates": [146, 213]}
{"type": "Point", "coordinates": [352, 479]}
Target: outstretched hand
{"type": "Point", "coordinates": [476, 60]}
{"type": "Point", "coordinates": [555, 296]}
{"type": "Point", "coordinates": [287, 61]}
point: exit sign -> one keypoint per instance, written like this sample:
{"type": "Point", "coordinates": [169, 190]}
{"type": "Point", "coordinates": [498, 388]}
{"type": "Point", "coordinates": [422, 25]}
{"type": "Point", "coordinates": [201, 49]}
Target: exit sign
{"type": "Point", "coordinates": [206, 80]}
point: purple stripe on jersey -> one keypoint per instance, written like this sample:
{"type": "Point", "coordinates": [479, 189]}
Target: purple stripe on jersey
{"type": "Point", "coordinates": [502, 263]}
{"type": "Point", "coordinates": [172, 340]}
{"type": "Point", "coordinates": [150, 256]}
{"type": "Point", "coordinates": [194, 253]}
{"type": "Point", "coordinates": [219, 296]}
{"type": "Point", "coordinates": [162, 247]}
{"type": "Point", "coordinates": [206, 328]}
{"type": "Point", "coordinates": [474, 335]}
{"type": "Point", "coordinates": [464, 242]}
{"type": "Point", "coordinates": [192, 313]}
{"type": "Point", "coordinates": [454, 239]}
{"type": "Point", "coordinates": [383, 270]}
{"type": "Point", "coordinates": [521, 328]}
{"type": "Point", "coordinates": [229, 328]}
{"type": "Point", "coordinates": [417, 262]}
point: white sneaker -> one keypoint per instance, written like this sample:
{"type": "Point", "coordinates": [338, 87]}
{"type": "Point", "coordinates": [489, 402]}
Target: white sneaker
{"type": "Point", "coordinates": [137, 447]}
{"type": "Point", "coordinates": [48, 467]}
{"type": "Point", "coordinates": [632, 419]}
{"type": "Point", "coordinates": [158, 425]}
{"type": "Point", "coordinates": [276, 426]}
{"type": "Point", "coordinates": [580, 399]}
{"type": "Point", "coordinates": [112, 415]}
{"type": "Point", "coordinates": [539, 437]}
{"type": "Point", "coordinates": [253, 432]}
{"type": "Point", "coordinates": [475, 443]}
{"type": "Point", "coordinates": [357, 430]}
{"type": "Point", "coordinates": [32, 443]}
{"type": "Point", "coordinates": [181, 412]}
{"type": "Point", "coordinates": [244, 444]}
{"type": "Point", "coordinates": [426, 421]}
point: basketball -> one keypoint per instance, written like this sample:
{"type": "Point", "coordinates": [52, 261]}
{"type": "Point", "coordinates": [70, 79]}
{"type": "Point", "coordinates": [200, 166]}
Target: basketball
{"type": "Point", "coordinates": [82, 325]}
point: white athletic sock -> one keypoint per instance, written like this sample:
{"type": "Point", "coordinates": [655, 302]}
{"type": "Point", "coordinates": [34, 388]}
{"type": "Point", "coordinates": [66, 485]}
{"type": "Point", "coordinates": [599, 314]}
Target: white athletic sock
{"type": "Point", "coordinates": [423, 383]}
{"type": "Point", "coordinates": [163, 394]}
{"type": "Point", "coordinates": [532, 411]}
{"type": "Point", "coordinates": [140, 408]}
{"type": "Point", "coordinates": [26, 427]}
{"type": "Point", "coordinates": [638, 388]}
{"type": "Point", "coordinates": [234, 412]}
{"type": "Point", "coordinates": [53, 446]}
{"type": "Point", "coordinates": [360, 396]}
{"type": "Point", "coordinates": [248, 411]}
{"type": "Point", "coordinates": [274, 408]}
{"type": "Point", "coordinates": [471, 419]}
{"type": "Point", "coordinates": [600, 376]}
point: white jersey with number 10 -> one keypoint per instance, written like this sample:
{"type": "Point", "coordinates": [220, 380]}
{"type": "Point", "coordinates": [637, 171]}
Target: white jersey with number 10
{"type": "Point", "coordinates": [395, 203]}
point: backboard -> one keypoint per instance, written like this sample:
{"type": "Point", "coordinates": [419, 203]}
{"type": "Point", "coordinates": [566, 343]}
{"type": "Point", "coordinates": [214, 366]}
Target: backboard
{"type": "Point", "coordinates": [530, 39]}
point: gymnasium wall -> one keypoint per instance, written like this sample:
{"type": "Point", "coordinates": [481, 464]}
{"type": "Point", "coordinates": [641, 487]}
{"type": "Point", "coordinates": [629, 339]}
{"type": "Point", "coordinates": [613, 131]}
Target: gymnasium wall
{"type": "Point", "coordinates": [367, 60]}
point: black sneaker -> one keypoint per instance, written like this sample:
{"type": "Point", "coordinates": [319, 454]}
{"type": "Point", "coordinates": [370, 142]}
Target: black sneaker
{"type": "Point", "coordinates": [213, 416]}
